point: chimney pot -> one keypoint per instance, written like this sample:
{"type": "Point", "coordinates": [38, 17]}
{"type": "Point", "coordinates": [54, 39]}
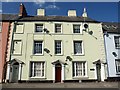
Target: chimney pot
{"type": "Point", "coordinates": [41, 12]}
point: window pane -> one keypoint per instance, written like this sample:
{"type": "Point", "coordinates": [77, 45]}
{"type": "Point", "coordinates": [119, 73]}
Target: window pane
{"type": "Point", "coordinates": [76, 28]}
{"type": "Point", "coordinates": [39, 27]}
{"type": "Point", "coordinates": [57, 47]}
{"type": "Point", "coordinates": [57, 28]}
{"type": "Point", "coordinates": [84, 68]}
{"type": "Point", "coordinates": [42, 69]}
{"type": "Point", "coordinates": [38, 47]}
{"type": "Point", "coordinates": [77, 47]}
{"type": "Point", "coordinates": [117, 66]}
{"type": "Point", "coordinates": [117, 41]}
{"type": "Point", "coordinates": [78, 69]}
{"type": "Point", "coordinates": [37, 69]}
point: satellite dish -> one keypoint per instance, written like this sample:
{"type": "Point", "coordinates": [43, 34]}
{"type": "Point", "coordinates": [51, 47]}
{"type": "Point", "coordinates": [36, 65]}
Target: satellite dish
{"type": "Point", "coordinates": [85, 26]}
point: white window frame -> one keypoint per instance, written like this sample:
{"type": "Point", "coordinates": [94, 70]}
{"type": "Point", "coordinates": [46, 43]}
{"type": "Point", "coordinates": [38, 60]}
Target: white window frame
{"type": "Point", "coordinates": [117, 65]}
{"type": "Point", "coordinates": [34, 47]}
{"type": "Point", "coordinates": [55, 47]}
{"type": "Point", "coordinates": [118, 44]}
{"type": "Point", "coordinates": [32, 64]}
{"type": "Point", "coordinates": [79, 27]}
{"type": "Point", "coordinates": [38, 25]}
{"type": "Point", "coordinates": [74, 67]}
{"type": "Point", "coordinates": [82, 47]}
{"type": "Point", "coordinates": [55, 28]}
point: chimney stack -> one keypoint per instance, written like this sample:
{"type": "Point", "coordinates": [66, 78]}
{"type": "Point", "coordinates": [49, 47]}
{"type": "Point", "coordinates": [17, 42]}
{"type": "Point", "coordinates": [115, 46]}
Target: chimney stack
{"type": "Point", "coordinates": [71, 12]}
{"type": "Point", "coordinates": [22, 11]}
{"type": "Point", "coordinates": [41, 12]}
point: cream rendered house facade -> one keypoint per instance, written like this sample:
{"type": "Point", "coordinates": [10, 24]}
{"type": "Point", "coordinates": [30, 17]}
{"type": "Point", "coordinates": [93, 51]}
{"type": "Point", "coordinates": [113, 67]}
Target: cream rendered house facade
{"type": "Point", "coordinates": [57, 48]}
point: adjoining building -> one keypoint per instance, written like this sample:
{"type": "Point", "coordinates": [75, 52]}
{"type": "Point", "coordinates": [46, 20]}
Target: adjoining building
{"type": "Point", "coordinates": [112, 46]}
{"type": "Point", "coordinates": [5, 30]}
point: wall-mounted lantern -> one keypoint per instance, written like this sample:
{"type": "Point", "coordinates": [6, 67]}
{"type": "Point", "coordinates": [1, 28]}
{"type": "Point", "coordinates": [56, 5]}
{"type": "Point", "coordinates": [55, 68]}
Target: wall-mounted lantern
{"type": "Point", "coordinates": [68, 58]}
{"type": "Point", "coordinates": [46, 50]}
{"type": "Point", "coordinates": [114, 53]}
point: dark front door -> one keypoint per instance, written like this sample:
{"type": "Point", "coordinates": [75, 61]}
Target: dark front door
{"type": "Point", "coordinates": [58, 73]}
{"type": "Point", "coordinates": [98, 68]}
{"type": "Point", "coordinates": [15, 72]}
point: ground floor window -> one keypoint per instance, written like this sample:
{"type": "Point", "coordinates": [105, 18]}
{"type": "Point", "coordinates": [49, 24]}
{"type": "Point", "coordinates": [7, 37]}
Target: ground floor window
{"type": "Point", "coordinates": [79, 69]}
{"type": "Point", "coordinates": [37, 69]}
{"type": "Point", "coordinates": [117, 61]}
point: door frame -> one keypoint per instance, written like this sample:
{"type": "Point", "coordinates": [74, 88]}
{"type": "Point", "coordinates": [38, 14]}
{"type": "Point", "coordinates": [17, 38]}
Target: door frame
{"type": "Point", "coordinates": [102, 69]}
{"type": "Point", "coordinates": [62, 70]}
{"type": "Point", "coordinates": [9, 69]}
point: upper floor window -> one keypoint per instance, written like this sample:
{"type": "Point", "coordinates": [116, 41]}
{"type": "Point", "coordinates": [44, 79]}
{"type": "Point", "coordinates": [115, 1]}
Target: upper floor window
{"type": "Point", "coordinates": [37, 69]}
{"type": "Point", "coordinates": [38, 47]}
{"type": "Point", "coordinates": [76, 29]}
{"type": "Point", "coordinates": [58, 47]}
{"type": "Point", "coordinates": [117, 61]}
{"type": "Point", "coordinates": [39, 28]}
{"type": "Point", "coordinates": [117, 41]}
{"type": "Point", "coordinates": [79, 69]}
{"type": "Point", "coordinates": [57, 28]}
{"type": "Point", "coordinates": [78, 48]}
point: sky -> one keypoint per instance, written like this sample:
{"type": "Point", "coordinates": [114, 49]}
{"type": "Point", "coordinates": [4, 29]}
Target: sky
{"type": "Point", "coordinates": [100, 11]}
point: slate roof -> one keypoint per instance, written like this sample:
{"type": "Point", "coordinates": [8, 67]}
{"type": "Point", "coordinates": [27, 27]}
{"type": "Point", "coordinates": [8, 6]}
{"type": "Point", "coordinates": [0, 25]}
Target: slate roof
{"type": "Point", "coordinates": [58, 18]}
{"type": "Point", "coordinates": [5, 17]}
{"type": "Point", "coordinates": [8, 17]}
{"type": "Point", "coordinates": [111, 27]}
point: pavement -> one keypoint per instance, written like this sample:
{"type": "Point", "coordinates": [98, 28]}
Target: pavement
{"type": "Point", "coordinates": [63, 85]}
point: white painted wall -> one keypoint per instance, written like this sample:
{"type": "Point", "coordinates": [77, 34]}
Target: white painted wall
{"type": "Point", "coordinates": [110, 47]}
{"type": "Point", "coordinates": [93, 47]}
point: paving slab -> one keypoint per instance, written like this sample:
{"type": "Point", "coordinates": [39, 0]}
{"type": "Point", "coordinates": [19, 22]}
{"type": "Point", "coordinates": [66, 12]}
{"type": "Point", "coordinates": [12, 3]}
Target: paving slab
{"type": "Point", "coordinates": [63, 85]}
